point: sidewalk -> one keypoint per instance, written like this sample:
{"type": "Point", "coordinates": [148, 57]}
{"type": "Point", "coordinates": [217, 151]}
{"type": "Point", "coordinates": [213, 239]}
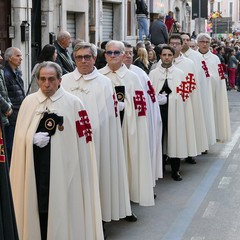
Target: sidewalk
{"type": "Point", "coordinates": [205, 205]}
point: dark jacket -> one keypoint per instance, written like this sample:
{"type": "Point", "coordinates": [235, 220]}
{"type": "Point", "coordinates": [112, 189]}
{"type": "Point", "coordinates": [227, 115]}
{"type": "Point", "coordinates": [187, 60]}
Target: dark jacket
{"type": "Point", "coordinates": [64, 59]}
{"type": "Point", "coordinates": [15, 88]}
{"type": "Point", "coordinates": [141, 7]}
{"type": "Point", "coordinates": [5, 103]}
{"type": "Point", "coordinates": [159, 32]}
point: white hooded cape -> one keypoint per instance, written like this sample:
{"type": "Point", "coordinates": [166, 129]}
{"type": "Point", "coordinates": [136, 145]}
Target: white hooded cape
{"type": "Point", "coordinates": [154, 122]}
{"type": "Point", "coordinates": [74, 202]}
{"type": "Point", "coordinates": [135, 136]}
{"type": "Point", "coordinates": [205, 87]}
{"type": "Point", "coordinates": [199, 130]}
{"type": "Point", "coordinates": [176, 137]}
{"type": "Point", "coordinates": [220, 99]}
{"type": "Point", "coordinates": [95, 91]}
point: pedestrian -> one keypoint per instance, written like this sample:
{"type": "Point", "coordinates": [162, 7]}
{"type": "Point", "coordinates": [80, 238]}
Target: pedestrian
{"type": "Point", "coordinates": [95, 91]}
{"type": "Point", "coordinates": [232, 67]}
{"type": "Point", "coordinates": [142, 60]}
{"type": "Point", "coordinates": [48, 53]}
{"type": "Point", "coordinates": [5, 103]}
{"type": "Point", "coordinates": [166, 80]}
{"type": "Point", "coordinates": [142, 18]}
{"type": "Point", "coordinates": [63, 57]}
{"type": "Point", "coordinates": [153, 114]}
{"type": "Point", "coordinates": [16, 93]}
{"type": "Point", "coordinates": [169, 21]}
{"type": "Point", "coordinates": [134, 124]}
{"type": "Point", "coordinates": [218, 87]}
{"type": "Point", "coordinates": [158, 31]}
{"type": "Point", "coordinates": [54, 174]}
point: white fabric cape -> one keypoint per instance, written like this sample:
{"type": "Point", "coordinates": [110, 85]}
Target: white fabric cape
{"type": "Point", "coordinates": [205, 92]}
{"type": "Point", "coordinates": [220, 99]}
{"type": "Point", "coordinates": [95, 91]}
{"type": "Point", "coordinates": [135, 138]}
{"type": "Point", "coordinates": [74, 202]}
{"type": "Point", "coordinates": [200, 132]}
{"type": "Point", "coordinates": [154, 123]}
{"type": "Point", "coordinates": [176, 137]}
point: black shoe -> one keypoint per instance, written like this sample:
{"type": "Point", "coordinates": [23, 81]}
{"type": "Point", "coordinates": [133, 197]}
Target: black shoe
{"type": "Point", "coordinates": [104, 230]}
{"type": "Point", "coordinates": [176, 176]}
{"type": "Point", "coordinates": [132, 218]}
{"type": "Point", "coordinates": [190, 160]}
{"type": "Point", "coordinates": [205, 152]}
{"type": "Point", "coordinates": [154, 195]}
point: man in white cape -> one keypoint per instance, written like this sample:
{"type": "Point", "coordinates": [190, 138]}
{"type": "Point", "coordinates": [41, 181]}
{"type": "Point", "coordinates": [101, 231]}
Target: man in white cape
{"type": "Point", "coordinates": [202, 78]}
{"type": "Point", "coordinates": [73, 200]}
{"type": "Point", "coordinates": [95, 91]}
{"type": "Point", "coordinates": [153, 114]}
{"type": "Point", "coordinates": [219, 89]}
{"type": "Point", "coordinates": [166, 78]}
{"type": "Point", "coordinates": [134, 125]}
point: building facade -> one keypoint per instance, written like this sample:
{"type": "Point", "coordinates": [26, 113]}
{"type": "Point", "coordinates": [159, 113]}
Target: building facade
{"type": "Point", "coordinates": [30, 24]}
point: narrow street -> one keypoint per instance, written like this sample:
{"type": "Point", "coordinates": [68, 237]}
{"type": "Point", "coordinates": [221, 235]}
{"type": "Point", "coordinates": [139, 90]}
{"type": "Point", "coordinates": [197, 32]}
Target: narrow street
{"type": "Point", "coordinates": [205, 205]}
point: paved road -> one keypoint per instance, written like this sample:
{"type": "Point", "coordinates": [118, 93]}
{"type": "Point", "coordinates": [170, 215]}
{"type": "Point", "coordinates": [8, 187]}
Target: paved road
{"type": "Point", "coordinates": [204, 206]}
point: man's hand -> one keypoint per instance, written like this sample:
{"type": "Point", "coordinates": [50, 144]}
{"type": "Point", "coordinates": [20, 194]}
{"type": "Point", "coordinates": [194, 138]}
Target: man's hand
{"type": "Point", "coordinates": [162, 99]}
{"type": "Point", "coordinates": [41, 139]}
{"type": "Point", "coordinates": [121, 106]}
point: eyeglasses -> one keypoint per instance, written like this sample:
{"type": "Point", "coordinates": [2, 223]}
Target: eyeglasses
{"type": "Point", "coordinates": [204, 42]}
{"type": "Point", "coordinates": [130, 53]}
{"type": "Point", "coordinates": [115, 53]}
{"type": "Point", "coordinates": [79, 58]}
{"type": "Point", "coordinates": [175, 43]}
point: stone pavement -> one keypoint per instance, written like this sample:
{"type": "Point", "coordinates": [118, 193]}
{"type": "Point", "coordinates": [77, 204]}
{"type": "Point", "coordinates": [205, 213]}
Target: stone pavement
{"type": "Point", "coordinates": [205, 205]}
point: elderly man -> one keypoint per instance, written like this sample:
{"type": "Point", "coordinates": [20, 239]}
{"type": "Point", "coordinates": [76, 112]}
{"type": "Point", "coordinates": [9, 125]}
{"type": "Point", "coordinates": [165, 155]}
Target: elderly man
{"type": "Point", "coordinates": [134, 124]}
{"type": "Point", "coordinates": [54, 173]}
{"type": "Point", "coordinates": [16, 93]}
{"type": "Point", "coordinates": [63, 57]}
{"type": "Point", "coordinates": [153, 114]}
{"type": "Point", "coordinates": [95, 90]}
{"type": "Point", "coordinates": [218, 86]}
{"type": "Point", "coordinates": [202, 80]}
{"type": "Point", "coordinates": [167, 80]}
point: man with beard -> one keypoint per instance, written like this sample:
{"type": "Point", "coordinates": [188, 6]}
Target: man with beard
{"type": "Point", "coordinates": [166, 79]}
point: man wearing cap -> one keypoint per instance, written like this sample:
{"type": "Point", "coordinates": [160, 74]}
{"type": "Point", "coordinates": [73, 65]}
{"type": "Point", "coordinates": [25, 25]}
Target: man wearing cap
{"type": "Point", "coordinates": [53, 173]}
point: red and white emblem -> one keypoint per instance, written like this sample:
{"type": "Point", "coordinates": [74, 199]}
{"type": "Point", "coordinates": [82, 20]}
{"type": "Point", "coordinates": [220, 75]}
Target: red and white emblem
{"type": "Point", "coordinates": [205, 68]}
{"type": "Point", "coordinates": [83, 126]}
{"type": "Point", "coordinates": [191, 82]}
{"type": "Point", "coordinates": [2, 154]}
{"type": "Point", "coordinates": [183, 90]}
{"type": "Point", "coordinates": [140, 103]}
{"type": "Point", "coordinates": [221, 71]}
{"type": "Point", "coordinates": [151, 92]}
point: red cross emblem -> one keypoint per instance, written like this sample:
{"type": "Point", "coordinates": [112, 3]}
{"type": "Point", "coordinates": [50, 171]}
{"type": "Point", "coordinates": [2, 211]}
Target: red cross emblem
{"type": "Point", "coordinates": [205, 68]}
{"type": "Point", "coordinates": [115, 105]}
{"type": "Point", "coordinates": [2, 155]}
{"type": "Point", "coordinates": [191, 82]}
{"type": "Point", "coordinates": [151, 92]}
{"type": "Point", "coordinates": [221, 71]}
{"type": "Point", "coordinates": [140, 103]}
{"type": "Point", "coordinates": [183, 90]}
{"type": "Point", "coordinates": [83, 126]}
